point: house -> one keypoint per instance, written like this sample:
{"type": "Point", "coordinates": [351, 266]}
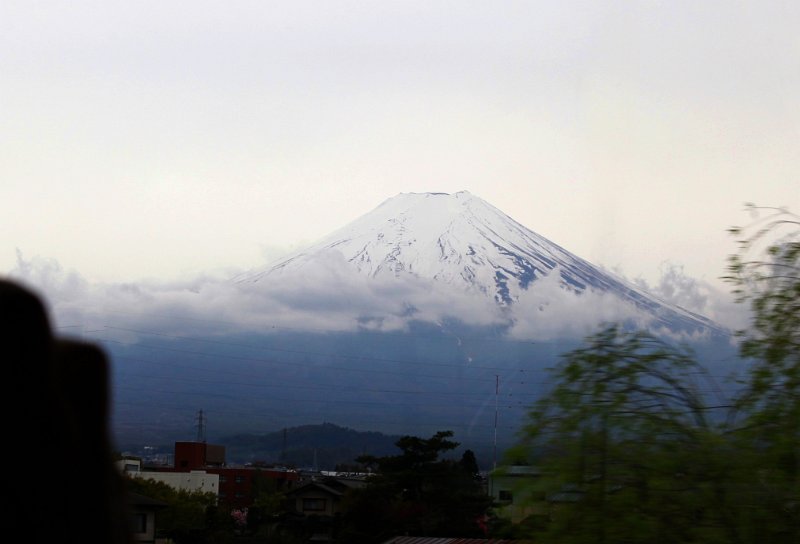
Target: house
{"type": "Point", "coordinates": [520, 495]}
{"type": "Point", "coordinates": [142, 512]}
{"type": "Point", "coordinates": [446, 540]}
{"type": "Point", "coordinates": [316, 505]}
{"type": "Point", "coordinates": [321, 497]}
{"type": "Point", "coordinates": [515, 492]}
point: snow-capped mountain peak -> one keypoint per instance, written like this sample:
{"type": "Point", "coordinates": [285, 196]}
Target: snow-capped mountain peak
{"type": "Point", "coordinates": [463, 241]}
{"type": "Point", "coordinates": [457, 239]}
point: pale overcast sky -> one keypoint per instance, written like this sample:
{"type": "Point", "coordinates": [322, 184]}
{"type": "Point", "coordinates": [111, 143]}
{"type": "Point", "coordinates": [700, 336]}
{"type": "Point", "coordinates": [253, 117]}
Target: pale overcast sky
{"type": "Point", "coordinates": [163, 139]}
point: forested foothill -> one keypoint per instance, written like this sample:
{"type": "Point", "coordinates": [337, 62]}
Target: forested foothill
{"type": "Point", "coordinates": [633, 447]}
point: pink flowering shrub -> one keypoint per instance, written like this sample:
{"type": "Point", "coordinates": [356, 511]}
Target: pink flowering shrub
{"type": "Point", "coordinates": [239, 517]}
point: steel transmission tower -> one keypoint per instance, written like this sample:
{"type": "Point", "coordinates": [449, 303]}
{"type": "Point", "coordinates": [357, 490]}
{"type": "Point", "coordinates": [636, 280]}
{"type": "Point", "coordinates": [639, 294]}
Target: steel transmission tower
{"type": "Point", "coordinates": [201, 427]}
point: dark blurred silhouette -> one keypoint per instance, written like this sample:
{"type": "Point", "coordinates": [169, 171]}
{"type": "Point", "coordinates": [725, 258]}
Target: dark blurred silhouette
{"type": "Point", "coordinates": [59, 477]}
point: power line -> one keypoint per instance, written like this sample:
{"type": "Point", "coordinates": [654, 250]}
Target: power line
{"type": "Point", "coordinates": [293, 351]}
{"type": "Point", "coordinates": [295, 364]}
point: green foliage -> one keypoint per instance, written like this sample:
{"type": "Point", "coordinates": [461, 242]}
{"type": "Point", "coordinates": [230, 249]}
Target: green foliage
{"type": "Point", "coordinates": [766, 273]}
{"type": "Point", "coordinates": [417, 493]}
{"type": "Point", "coordinates": [624, 443]}
{"type": "Point", "coordinates": [267, 511]}
{"type": "Point", "coordinates": [190, 517]}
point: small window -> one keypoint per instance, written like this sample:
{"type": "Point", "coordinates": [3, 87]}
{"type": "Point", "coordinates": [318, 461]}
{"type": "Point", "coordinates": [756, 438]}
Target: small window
{"type": "Point", "coordinates": [222, 479]}
{"type": "Point", "coordinates": [313, 505]}
{"type": "Point", "coordinates": [239, 479]}
{"type": "Point", "coordinates": [139, 523]}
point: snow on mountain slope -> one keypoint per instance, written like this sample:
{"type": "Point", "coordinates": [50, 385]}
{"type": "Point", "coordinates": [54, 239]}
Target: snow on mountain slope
{"type": "Point", "coordinates": [460, 240]}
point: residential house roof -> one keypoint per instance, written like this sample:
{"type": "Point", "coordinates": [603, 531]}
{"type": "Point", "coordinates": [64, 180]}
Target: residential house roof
{"type": "Point", "coordinates": [440, 540]}
{"type": "Point", "coordinates": [314, 485]}
{"type": "Point", "coordinates": [134, 499]}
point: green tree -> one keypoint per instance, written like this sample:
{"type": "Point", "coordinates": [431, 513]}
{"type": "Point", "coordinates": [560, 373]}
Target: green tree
{"type": "Point", "coordinates": [624, 442]}
{"type": "Point", "coordinates": [417, 493]}
{"type": "Point", "coordinates": [190, 517]}
{"type": "Point", "coordinates": [766, 274]}
{"type": "Point", "coordinates": [625, 447]}
{"type": "Point", "coordinates": [268, 510]}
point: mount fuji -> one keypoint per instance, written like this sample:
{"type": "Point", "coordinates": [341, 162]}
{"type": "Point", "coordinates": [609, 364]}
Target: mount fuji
{"type": "Point", "coordinates": [462, 242]}
{"type": "Point", "coordinates": [432, 312]}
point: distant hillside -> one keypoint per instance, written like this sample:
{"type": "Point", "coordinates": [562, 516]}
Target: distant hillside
{"type": "Point", "coordinates": [327, 444]}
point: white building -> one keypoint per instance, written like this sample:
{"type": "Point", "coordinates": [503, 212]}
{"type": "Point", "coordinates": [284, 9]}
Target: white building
{"type": "Point", "coordinates": [195, 480]}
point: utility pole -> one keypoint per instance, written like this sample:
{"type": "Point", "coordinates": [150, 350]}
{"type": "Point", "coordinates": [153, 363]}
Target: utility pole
{"type": "Point", "coordinates": [491, 474]}
{"type": "Point", "coordinates": [496, 391]}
